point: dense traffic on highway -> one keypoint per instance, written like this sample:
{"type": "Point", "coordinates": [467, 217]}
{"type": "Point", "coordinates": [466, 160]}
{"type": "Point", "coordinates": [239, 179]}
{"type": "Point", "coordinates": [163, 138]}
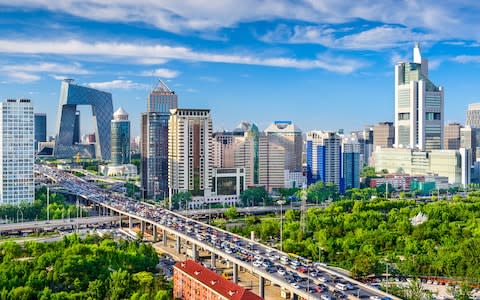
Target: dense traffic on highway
{"type": "Point", "coordinates": [313, 278]}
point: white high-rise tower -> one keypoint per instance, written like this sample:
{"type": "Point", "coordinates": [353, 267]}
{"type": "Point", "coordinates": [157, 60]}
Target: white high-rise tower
{"type": "Point", "coordinates": [419, 106]}
{"type": "Point", "coordinates": [16, 152]}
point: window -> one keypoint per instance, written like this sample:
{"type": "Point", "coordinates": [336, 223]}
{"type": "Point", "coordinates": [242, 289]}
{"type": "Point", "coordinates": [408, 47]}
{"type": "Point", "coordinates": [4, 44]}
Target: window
{"type": "Point", "coordinates": [404, 116]}
{"type": "Point", "coordinates": [430, 116]}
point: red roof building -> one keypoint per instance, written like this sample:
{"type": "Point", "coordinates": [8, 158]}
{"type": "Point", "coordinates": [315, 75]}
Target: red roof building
{"type": "Point", "coordinates": [192, 281]}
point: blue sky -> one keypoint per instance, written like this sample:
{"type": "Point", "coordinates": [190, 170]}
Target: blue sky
{"type": "Point", "coordinates": [323, 64]}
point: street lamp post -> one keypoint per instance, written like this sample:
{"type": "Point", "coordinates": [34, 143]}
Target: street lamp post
{"type": "Point", "coordinates": [281, 202]}
{"type": "Point", "coordinates": [48, 203]}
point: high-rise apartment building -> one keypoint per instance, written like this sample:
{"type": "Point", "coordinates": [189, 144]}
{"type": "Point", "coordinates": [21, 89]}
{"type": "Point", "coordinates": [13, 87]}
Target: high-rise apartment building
{"type": "Point", "coordinates": [419, 106]}
{"type": "Point", "coordinates": [262, 159]}
{"type": "Point", "coordinates": [120, 138]}
{"type": "Point", "coordinates": [289, 136]}
{"type": "Point", "coordinates": [16, 152]}
{"type": "Point", "coordinates": [383, 135]}
{"type": "Point", "coordinates": [40, 129]}
{"type": "Point", "coordinates": [452, 136]}
{"type": "Point", "coordinates": [473, 115]}
{"type": "Point", "coordinates": [324, 157]}
{"type": "Point", "coordinates": [154, 141]}
{"type": "Point", "coordinates": [351, 165]}
{"type": "Point", "coordinates": [190, 155]}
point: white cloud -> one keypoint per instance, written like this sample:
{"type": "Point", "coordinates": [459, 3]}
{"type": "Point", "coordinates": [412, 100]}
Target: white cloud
{"type": "Point", "coordinates": [377, 38]}
{"type": "Point", "coordinates": [117, 84]}
{"type": "Point", "coordinates": [29, 72]}
{"type": "Point", "coordinates": [135, 51]}
{"type": "Point", "coordinates": [45, 68]}
{"type": "Point", "coordinates": [162, 73]}
{"type": "Point", "coordinates": [445, 18]}
{"type": "Point", "coordinates": [465, 59]}
{"type": "Point", "coordinates": [22, 76]}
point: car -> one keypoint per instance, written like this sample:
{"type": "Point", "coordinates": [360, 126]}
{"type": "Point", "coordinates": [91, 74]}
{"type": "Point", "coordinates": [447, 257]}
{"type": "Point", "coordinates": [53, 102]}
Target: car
{"type": "Point", "coordinates": [375, 298]}
{"type": "Point", "coordinates": [295, 285]}
{"type": "Point", "coordinates": [281, 272]}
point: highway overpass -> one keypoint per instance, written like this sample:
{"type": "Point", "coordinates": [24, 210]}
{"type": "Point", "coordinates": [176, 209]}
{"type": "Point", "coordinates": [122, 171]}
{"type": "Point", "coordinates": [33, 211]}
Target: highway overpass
{"type": "Point", "coordinates": [36, 225]}
{"type": "Point", "coordinates": [161, 223]}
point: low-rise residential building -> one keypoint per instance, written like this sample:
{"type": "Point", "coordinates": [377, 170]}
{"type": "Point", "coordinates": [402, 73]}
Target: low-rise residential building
{"type": "Point", "coordinates": [193, 281]}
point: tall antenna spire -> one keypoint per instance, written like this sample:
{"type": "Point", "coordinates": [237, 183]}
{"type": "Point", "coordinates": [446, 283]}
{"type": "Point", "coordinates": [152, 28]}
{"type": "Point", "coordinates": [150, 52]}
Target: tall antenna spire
{"type": "Point", "coordinates": [417, 56]}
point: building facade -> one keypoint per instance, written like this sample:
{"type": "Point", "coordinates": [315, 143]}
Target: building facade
{"type": "Point", "coordinates": [120, 138]}
{"type": "Point", "coordinates": [324, 157]}
{"type": "Point", "coordinates": [17, 155]}
{"type": "Point", "coordinates": [351, 165]}
{"type": "Point", "coordinates": [262, 159]}
{"type": "Point", "coordinates": [419, 106]}
{"type": "Point", "coordinates": [383, 135]}
{"type": "Point", "coordinates": [473, 115]}
{"type": "Point", "coordinates": [190, 155]}
{"type": "Point", "coordinates": [154, 141]}
{"type": "Point", "coordinates": [452, 136]}
{"type": "Point", "coordinates": [72, 95]}
{"type": "Point", "coordinates": [288, 136]}
{"type": "Point", "coordinates": [448, 163]}
{"type": "Point", "coordinates": [154, 158]}
{"type": "Point", "coordinates": [193, 281]}
{"type": "Point", "coordinates": [40, 129]}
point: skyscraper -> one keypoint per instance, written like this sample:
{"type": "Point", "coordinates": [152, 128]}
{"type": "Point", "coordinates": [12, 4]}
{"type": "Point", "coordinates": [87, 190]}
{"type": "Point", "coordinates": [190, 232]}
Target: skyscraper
{"type": "Point", "coordinates": [72, 95]}
{"type": "Point", "coordinates": [383, 135]}
{"type": "Point", "coordinates": [17, 152]}
{"type": "Point", "coordinates": [324, 159]}
{"type": "Point", "coordinates": [120, 138]}
{"type": "Point", "coordinates": [190, 156]}
{"type": "Point", "coordinates": [76, 128]}
{"type": "Point", "coordinates": [154, 140]}
{"type": "Point", "coordinates": [473, 115]}
{"type": "Point", "coordinates": [262, 159]}
{"type": "Point", "coordinates": [418, 106]}
{"type": "Point", "coordinates": [452, 136]}
{"type": "Point", "coordinates": [351, 165]}
{"type": "Point", "coordinates": [289, 136]}
{"type": "Point", "coordinates": [40, 129]}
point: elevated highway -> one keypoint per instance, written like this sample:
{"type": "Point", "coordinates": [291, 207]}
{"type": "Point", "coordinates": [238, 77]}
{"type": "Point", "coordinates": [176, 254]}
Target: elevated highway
{"type": "Point", "coordinates": [242, 253]}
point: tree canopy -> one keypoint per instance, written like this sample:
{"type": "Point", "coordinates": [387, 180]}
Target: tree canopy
{"type": "Point", "coordinates": [74, 268]}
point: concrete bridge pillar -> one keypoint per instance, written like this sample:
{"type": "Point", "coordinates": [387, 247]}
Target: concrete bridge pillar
{"type": "Point", "coordinates": [155, 233]}
{"type": "Point", "coordinates": [178, 244]}
{"type": "Point", "coordinates": [194, 252]}
{"type": "Point", "coordinates": [130, 223]}
{"type": "Point", "coordinates": [164, 237]}
{"type": "Point", "coordinates": [213, 260]}
{"type": "Point", "coordinates": [142, 227]}
{"type": "Point", "coordinates": [261, 287]}
{"type": "Point", "coordinates": [235, 273]}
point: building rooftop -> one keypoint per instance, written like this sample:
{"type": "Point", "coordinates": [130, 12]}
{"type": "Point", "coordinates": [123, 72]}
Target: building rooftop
{"type": "Point", "coordinates": [161, 87]}
{"type": "Point", "coordinates": [120, 114]}
{"type": "Point", "coordinates": [224, 287]}
{"type": "Point", "coordinates": [283, 126]}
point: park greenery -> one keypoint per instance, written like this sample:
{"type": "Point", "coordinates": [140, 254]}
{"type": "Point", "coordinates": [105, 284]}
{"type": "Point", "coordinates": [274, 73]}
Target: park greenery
{"type": "Point", "coordinates": [365, 235]}
{"type": "Point", "coordinates": [58, 208]}
{"type": "Point", "coordinates": [255, 196]}
{"type": "Point", "coordinates": [180, 200]}
{"type": "Point", "coordinates": [75, 268]}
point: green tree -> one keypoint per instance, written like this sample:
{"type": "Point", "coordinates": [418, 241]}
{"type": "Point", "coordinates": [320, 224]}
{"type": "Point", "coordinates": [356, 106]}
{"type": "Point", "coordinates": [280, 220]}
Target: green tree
{"type": "Point", "coordinates": [180, 200]}
{"type": "Point", "coordinates": [231, 213]}
{"type": "Point", "coordinates": [119, 286]}
{"type": "Point", "coordinates": [368, 172]}
{"type": "Point", "coordinates": [255, 196]}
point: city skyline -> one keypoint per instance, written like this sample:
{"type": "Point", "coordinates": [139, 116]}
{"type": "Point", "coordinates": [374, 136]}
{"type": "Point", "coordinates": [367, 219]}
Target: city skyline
{"type": "Point", "coordinates": [238, 62]}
